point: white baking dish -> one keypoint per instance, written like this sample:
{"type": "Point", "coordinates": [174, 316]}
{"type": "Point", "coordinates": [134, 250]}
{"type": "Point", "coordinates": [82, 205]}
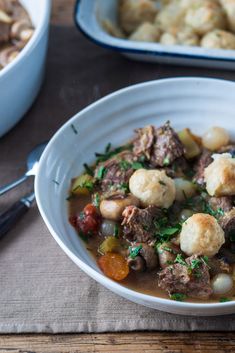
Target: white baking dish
{"type": "Point", "coordinates": [88, 17]}
{"type": "Point", "coordinates": [21, 80]}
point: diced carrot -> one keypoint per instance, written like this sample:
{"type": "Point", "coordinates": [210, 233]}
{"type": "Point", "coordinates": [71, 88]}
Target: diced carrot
{"type": "Point", "coordinates": [114, 266]}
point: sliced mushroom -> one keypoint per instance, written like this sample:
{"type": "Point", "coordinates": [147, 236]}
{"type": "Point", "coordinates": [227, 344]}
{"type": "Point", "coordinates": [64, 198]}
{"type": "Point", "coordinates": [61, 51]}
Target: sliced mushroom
{"type": "Point", "coordinates": [8, 54]}
{"type": "Point", "coordinates": [136, 264]}
{"type": "Point", "coordinates": [21, 30]}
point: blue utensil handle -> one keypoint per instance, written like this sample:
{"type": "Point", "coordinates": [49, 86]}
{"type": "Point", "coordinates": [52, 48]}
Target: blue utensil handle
{"type": "Point", "coordinates": [9, 218]}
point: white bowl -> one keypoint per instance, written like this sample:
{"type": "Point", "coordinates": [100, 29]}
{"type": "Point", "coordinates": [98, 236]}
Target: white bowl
{"type": "Point", "coordinates": [89, 14]}
{"type": "Point", "coordinates": [21, 80]}
{"type": "Point", "coordinates": [188, 102]}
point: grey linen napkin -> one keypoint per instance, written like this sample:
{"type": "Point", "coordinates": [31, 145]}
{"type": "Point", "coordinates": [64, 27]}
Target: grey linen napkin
{"type": "Point", "coordinates": [42, 290]}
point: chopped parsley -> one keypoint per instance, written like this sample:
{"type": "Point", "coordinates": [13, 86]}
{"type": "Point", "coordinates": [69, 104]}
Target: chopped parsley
{"type": "Point", "coordinates": [195, 264]}
{"type": "Point", "coordinates": [116, 231]}
{"type": "Point", "coordinates": [134, 251]}
{"type": "Point", "coordinates": [96, 200]}
{"type": "Point", "coordinates": [124, 187]}
{"type": "Point", "coordinates": [124, 165]}
{"type": "Point", "coordinates": [137, 165]}
{"type": "Point", "coordinates": [109, 152]}
{"type": "Point", "coordinates": [180, 260]}
{"type": "Point", "coordinates": [179, 297]}
{"type": "Point", "coordinates": [162, 183]}
{"type": "Point", "coordinates": [224, 300]}
{"type": "Point", "coordinates": [206, 208]}
{"type": "Point", "coordinates": [88, 169]}
{"type": "Point", "coordinates": [88, 184]}
{"type": "Point", "coordinates": [166, 161]}
{"type": "Point", "coordinates": [101, 172]}
{"type": "Point", "coordinates": [82, 236]}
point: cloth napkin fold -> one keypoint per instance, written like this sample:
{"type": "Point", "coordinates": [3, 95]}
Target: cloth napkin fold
{"type": "Point", "coordinates": [42, 290]}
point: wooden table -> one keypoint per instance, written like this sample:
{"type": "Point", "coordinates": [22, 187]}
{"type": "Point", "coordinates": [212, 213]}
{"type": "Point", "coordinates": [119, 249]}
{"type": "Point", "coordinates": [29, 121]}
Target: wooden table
{"type": "Point", "coordinates": [143, 342]}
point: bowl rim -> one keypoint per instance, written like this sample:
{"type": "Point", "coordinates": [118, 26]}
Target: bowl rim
{"type": "Point", "coordinates": [107, 41]}
{"type": "Point", "coordinates": [32, 43]}
{"type": "Point", "coordinates": [99, 277]}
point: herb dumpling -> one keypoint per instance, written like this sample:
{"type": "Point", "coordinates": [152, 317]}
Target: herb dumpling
{"type": "Point", "coordinates": [218, 39]}
{"type": "Point", "coordinates": [229, 8]}
{"type": "Point", "coordinates": [132, 13]}
{"type": "Point", "coordinates": [220, 175]}
{"type": "Point", "coordinates": [172, 15]}
{"type": "Point", "coordinates": [147, 32]}
{"type": "Point", "coordinates": [153, 187]}
{"type": "Point", "coordinates": [183, 35]}
{"type": "Point", "coordinates": [201, 234]}
{"type": "Point", "coordinates": [205, 16]}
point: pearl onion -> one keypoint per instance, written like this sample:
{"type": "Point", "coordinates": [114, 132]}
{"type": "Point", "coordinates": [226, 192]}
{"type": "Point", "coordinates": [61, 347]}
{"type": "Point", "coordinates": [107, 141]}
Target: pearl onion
{"type": "Point", "coordinates": [215, 138]}
{"type": "Point", "coordinates": [222, 283]}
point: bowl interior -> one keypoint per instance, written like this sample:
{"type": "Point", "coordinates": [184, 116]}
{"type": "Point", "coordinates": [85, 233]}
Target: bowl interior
{"type": "Point", "coordinates": [187, 102]}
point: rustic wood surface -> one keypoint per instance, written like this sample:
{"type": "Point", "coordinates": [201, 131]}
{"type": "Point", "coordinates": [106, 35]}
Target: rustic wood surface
{"type": "Point", "coordinates": [142, 342]}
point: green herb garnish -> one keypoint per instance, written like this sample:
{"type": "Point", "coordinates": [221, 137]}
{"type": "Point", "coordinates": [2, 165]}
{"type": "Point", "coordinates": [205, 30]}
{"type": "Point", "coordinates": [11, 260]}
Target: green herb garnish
{"type": "Point", "coordinates": [116, 231]}
{"type": "Point", "coordinates": [179, 297]}
{"type": "Point", "coordinates": [180, 260]}
{"type": "Point", "coordinates": [224, 300]}
{"type": "Point", "coordinates": [134, 251]}
{"type": "Point", "coordinates": [124, 165]}
{"type": "Point", "coordinates": [124, 187]}
{"type": "Point", "coordinates": [96, 200]}
{"type": "Point", "coordinates": [166, 161]}
{"type": "Point", "coordinates": [162, 183]}
{"type": "Point", "coordinates": [137, 165]}
{"type": "Point", "coordinates": [101, 172]}
{"type": "Point", "coordinates": [108, 153]}
{"type": "Point", "coordinates": [88, 169]}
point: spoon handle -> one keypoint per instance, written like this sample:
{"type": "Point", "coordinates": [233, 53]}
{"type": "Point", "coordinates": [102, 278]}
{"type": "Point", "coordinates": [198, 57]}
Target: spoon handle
{"type": "Point", "coordinates": [9, 218]}
{"type": "Point", "coordinates": [12, 185]}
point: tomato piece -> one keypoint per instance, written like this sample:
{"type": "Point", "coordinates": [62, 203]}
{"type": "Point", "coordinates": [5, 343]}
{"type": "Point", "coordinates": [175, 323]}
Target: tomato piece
{"type": "Point", "coordinates": [114, 266]}
{"type": "Point", "coordinates": [88, 221]}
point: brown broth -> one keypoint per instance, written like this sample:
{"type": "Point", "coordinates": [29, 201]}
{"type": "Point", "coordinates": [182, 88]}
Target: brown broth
{"type": "Point", "coordinates": [145, 282]}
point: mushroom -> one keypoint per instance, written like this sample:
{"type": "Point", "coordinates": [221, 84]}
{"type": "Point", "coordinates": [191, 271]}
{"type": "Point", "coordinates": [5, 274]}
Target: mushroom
{"type": "Point", "coordinates": [21, 30]}
{"type": "Point", "coordinates": [136, 264]}
{"type": "Point", "coordinates": [8, 54]}
{"type": "Point", "coordinates": [149, 255]}
{"type": "Point", "coordinates": [167, 253]}
{"type": "Point", "coordinates": [113, 208]}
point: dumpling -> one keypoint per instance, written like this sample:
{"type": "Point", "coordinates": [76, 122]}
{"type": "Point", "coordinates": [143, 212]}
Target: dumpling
{"type": "Point", "coordinates": [147, 32]}
{"type": "Point", "coordinates": [153, 187]}
{"type": "Point", "coordinates": [218, 39]}
{"type": "Point", "coordinates": [220, 175]}
{"type": "Point", "coordinates": [132, 13]}
{"type": "Point", "coordinates": [201, 234]}
{"type": "Point", "coordinates": [205, 16]}
{"type": "Point", "coordinates": [229, 7]}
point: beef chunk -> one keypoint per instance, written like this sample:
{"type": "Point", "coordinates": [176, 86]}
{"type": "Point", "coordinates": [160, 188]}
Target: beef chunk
{"type": "Point", "coordinates": [227, 223]}
{"type": "Point", "coordinates": [139, 223]}
{"type": "Point", "coordinates": [225, 203]}
{"type": "Point", "coordinates": [179, 168]}
{"type": "Point", "coordinates": [217, 266]}
{"type": "Point", "coordinates": [113, 175]}
{"type": "Point", "coordinates": [149, 255]}
{"type": "Point", "coordinates": [179, 278]}
{"type": "Point", "coordinates": [204, 160]}
{"type": "Point", "coordinates": [167, 147]}
{"type": "Point", "coordinates": [144, 141]}
{"type": "Point", "coordinates": [160, 146]}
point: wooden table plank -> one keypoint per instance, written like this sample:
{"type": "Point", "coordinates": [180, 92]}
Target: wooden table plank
{"type": "Point", "coordinates": [158, 342]}
{"type": "Point", "coordinates": [120, 343]}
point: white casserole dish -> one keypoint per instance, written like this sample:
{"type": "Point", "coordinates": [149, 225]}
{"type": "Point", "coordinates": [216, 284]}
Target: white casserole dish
{"type": "Point", "coordinates": [188, 102]}
{"type": "Point", "coordinates": [89, 14]}
{"type": "Point", "coordinates": [21, 80]}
